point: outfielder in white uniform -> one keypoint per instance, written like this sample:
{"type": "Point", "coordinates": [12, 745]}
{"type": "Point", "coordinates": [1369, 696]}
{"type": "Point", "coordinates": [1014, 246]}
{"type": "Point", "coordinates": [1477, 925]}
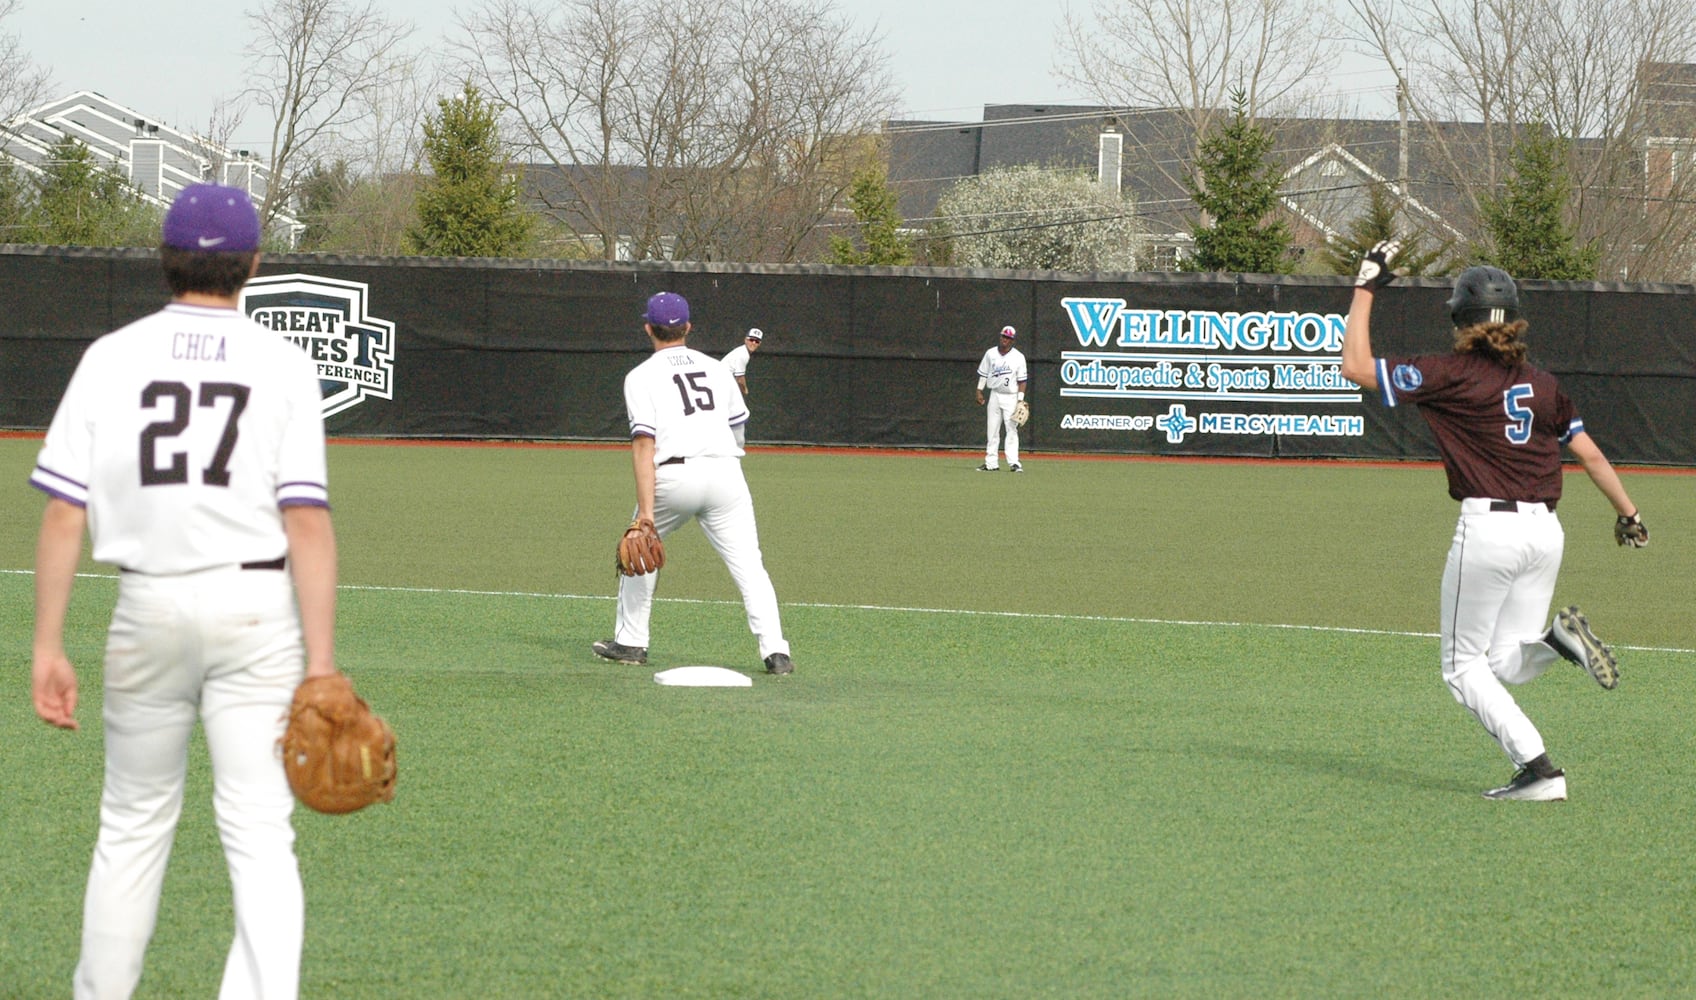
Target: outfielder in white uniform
{"type": "Point", "coordinates": [737, 358]}
{"type": "Point", "coordinates": [1499, 423]}
{"type": "Point", "coordinates": [686, 416]}
{"type": "Point", "coordinates": [1002, 373]}
{"type": "Point", "coordinates": [190, 444]}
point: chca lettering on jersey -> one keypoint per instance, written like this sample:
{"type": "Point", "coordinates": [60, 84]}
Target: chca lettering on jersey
{"type": "Point", "coordinates": [197, 347]}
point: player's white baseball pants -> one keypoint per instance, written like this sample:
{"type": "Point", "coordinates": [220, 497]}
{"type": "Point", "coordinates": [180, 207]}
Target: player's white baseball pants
{"type": "Point", "coordinates": [1000, 418]}
{"type": "Point", "coordinates": [224, 643]}
{"type": "Point", "coordinates": [1497, 586]}
{"type": "Point", "coordinates": [714, 492]}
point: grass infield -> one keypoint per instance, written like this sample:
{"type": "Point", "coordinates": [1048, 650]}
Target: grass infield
{"type": "Point", "coordinates": [1106, 729]}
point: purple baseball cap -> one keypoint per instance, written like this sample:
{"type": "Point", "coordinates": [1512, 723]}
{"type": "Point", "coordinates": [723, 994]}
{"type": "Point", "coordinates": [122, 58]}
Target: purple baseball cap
{"type": "Point", "coordinates": [667, 309]}
{"type": "Point", "coordinates": [212, 218]}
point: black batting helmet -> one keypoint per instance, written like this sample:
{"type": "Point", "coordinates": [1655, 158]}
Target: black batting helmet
{"type": "Point", "coordinates": [1483, 295]}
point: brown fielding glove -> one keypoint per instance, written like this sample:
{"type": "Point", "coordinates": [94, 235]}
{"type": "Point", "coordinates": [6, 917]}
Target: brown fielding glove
{"type": "Point", "coordinates": [1021, 413]}
{"type": "Point", "coordinates": [338, 756]}
{"type": "Point", "coordinates": [640, 550]}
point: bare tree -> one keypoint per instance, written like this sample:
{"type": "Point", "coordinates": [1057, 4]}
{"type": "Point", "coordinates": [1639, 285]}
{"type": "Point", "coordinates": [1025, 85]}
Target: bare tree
{"type": "Point", "coordinates": [1592, 72]}
{"type": "Point", "coordinates": [318, 67]}
{"type": "Point", "coordinates": [22, 82]}
{"type": "Point", "coordinates": [697, 129]}
{"type": "Point", "coordinates": [1190, 56]}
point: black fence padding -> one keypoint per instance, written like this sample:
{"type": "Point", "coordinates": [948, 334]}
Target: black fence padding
{"type": "Point", "coordinates": [885, 357]}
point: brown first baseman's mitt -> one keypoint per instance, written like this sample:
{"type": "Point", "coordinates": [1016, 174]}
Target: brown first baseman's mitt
{"type": "Point", "coordinates": [1021, 413]}
{"type": "Point", "coordinates": [640, 550]}
{"type": "Point", "coordinates": [339, 757]}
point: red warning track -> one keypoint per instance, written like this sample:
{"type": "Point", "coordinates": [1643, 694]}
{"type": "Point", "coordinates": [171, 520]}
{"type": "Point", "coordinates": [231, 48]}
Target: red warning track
{"type": "Point", "coordinates": [955, 454]}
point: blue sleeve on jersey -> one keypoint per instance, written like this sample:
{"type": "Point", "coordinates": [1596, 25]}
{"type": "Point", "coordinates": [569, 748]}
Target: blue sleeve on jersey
{"type": "Point", "coordinates": [1573, 429]}
{"type": "Point", "coordinates": [1385, 392]}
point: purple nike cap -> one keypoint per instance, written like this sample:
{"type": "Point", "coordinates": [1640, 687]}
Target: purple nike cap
{"type": "Point", "coordinates": [212, 218]}
{"type": "Point", "coordinates": [667, 309]}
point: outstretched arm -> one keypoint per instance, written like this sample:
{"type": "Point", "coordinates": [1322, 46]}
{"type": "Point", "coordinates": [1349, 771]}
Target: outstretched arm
{"type": "Point", "coordinates": [1359, 366]}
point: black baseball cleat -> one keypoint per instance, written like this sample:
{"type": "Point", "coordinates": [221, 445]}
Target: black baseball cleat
{"type": "Point", "coordinates": [1016, 467]}
{"type": "Point", "coordinates": [986, 467]}
{"type": "Point", "coordinates": [1571, 637]}
{"type": "Point", "coordinates": [1527, 786]}
{"type": "Point", "coordinates": [609, 649]}
{"type": "Point", "coordinates": [778, 663]}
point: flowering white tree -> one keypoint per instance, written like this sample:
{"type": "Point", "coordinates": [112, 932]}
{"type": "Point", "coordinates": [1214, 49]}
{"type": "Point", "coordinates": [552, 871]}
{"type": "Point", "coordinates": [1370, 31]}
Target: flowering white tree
{"type": "Point", "coordinates": [1032, 218]}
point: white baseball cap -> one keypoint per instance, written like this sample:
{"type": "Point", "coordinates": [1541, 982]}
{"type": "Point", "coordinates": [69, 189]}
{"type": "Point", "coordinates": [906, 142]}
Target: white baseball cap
{"type": "Point", "coordinates": [755, 334]}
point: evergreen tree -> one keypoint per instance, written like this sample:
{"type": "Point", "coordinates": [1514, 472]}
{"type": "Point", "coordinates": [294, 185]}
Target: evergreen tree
{"type": "Point", "coordinates": [1526, 231]}
{"type": "Point", "coordinates": [1382, 222]}
{"type": "Point", "coordinates": [319, 199]}
{"type": "Point", "coordinates": [78, 202]}
{"type": "Point", "coordinates": [1235, 185]}
{"type": "Point", "coordinates": [878, 222]}
{"type": "Point", "coordinates": [469, 207]}
{"type": "Point", "coordinates": [17, 206]}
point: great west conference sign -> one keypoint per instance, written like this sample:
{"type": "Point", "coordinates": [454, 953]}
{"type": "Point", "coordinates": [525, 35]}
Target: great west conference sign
{"type": "Point", "coordinates": [329, 320]}
{"type": "Point", "coordinates": [1178, 372]}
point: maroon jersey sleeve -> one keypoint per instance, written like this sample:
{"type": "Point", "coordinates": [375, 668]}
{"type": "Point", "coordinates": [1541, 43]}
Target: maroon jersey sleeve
{"type": "Point", "coordinates": [1499, 430]}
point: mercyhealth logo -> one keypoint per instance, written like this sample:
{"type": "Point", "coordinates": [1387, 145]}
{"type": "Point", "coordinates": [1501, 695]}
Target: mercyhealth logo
{"type": "Point", "coordinates": [327, 319]}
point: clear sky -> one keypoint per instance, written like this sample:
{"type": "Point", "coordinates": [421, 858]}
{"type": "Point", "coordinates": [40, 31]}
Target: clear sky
{"type": "Point", "coordinates": [172, 59]}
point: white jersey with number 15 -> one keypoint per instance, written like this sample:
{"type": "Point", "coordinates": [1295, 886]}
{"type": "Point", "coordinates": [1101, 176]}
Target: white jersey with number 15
{"type": "Point", "coordinates": [687, 402]}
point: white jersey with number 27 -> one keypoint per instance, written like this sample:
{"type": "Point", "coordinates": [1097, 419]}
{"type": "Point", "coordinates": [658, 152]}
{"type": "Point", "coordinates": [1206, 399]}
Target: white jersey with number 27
{"type": "Point", "coordinates": [183, 434]}
{"type": "Point", "coordinates": [687, 402]}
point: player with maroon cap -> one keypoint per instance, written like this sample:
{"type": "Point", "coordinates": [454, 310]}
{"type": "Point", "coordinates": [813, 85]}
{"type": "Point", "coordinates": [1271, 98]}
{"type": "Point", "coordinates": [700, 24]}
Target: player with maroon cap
{"type": "Point", "coordinates": [1500, 423]}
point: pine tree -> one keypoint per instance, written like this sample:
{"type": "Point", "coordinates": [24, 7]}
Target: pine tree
{"type": "Point", "coordinates": [1527, 235]}
{"type": "Point", "coordinates": [79, 202]}
{"type": "Point", "coordinates": [878, 222]}
{"type": "Point", "coordinates": [469, 207]}
{"type": "Point", "coordinates": [1382, 222]}
{"type": "Point", "coordinates": [1235, 184]}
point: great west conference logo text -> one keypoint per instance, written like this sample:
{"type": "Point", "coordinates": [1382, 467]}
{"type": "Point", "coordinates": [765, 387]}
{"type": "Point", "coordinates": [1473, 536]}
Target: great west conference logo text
{"type": "Point", "coordinates": [1216, 372]}
{"type": "Point", "coordinates": [329, 320]}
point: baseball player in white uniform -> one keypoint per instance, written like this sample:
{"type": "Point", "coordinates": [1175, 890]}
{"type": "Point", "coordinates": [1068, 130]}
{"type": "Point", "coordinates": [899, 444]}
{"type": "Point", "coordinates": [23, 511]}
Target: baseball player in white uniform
{"type": "Point", "coordinates": [686, 417]}
{"type": "Point", "coordinates": [190, 444]}
{"type": "Point", "coordinates": [1002, 373]}
{"type": "Point", "coordinates": [737, 359]}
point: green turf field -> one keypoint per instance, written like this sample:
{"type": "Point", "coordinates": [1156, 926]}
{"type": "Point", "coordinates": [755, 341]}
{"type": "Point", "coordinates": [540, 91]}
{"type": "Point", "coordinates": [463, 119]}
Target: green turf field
{"type": "Point", "coordinates": [1107, 729]}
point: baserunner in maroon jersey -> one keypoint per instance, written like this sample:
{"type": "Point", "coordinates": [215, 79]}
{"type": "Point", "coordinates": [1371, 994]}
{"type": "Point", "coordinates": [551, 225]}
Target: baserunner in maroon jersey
{"type": "Point", "coordinates": [1500, 423]}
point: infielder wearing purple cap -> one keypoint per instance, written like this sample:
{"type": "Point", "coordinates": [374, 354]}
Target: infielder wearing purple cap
{"type": "Point", "coordinates": [686, 418]}
{"type": "Point", "coordinates": [1002, 372]}
{"type": "Point", "coordinates": [190, 445]}
{"type": "Point", "coordinates": [1499, 423]}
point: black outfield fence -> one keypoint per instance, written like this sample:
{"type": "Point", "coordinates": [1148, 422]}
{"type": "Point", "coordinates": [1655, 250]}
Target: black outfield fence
{"type": "Point", "coordinates": [1148, 363]}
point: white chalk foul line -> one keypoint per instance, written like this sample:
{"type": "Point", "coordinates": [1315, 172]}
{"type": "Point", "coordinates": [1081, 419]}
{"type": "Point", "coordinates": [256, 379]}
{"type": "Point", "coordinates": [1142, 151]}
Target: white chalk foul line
{"type": "Point", "coordinates": [1026, 615]}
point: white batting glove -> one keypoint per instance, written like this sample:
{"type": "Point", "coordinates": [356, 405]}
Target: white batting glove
{"type": "Point", "coordinates": [1375, 270]}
